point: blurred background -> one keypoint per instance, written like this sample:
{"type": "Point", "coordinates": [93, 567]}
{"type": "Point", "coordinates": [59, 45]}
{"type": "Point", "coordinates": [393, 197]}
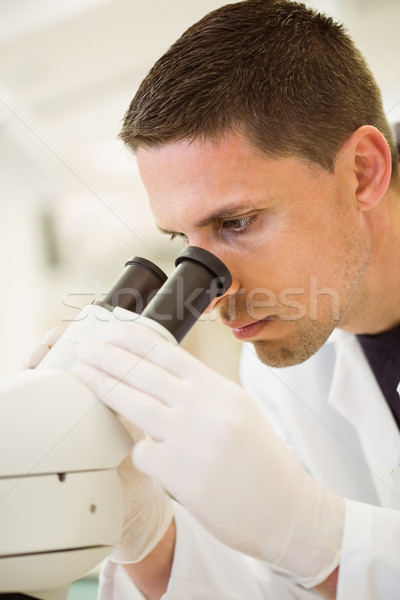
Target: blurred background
{"type": "Point", "coordinates": [72, 206]}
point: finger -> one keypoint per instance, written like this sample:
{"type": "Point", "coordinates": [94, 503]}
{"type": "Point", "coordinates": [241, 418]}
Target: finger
{"type": "Point", "coordinates": [32, 360]}
{"type": "Point", "coordinates": [134, 370]}
{"type": "Point", "coordinates": [53, 336]}
{"type": "Point", "coordinates": [142, 341]}
{"type": "Point", "coordinates": [140, 409]}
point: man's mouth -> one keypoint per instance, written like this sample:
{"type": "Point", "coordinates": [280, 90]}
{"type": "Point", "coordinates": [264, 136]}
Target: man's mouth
{"type": "Point", "coordinates": [243, 330]}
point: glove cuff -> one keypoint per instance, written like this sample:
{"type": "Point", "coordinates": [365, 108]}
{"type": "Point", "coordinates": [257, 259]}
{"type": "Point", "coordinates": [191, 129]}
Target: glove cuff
{"type": "Point", "coordinates": [145, 531]}
{"type": "Point", "coordinates": [325, 541]}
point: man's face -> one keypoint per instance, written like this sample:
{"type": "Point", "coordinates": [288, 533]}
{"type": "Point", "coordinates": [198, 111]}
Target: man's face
{"type": "Point", "coordinates": [291, 236]}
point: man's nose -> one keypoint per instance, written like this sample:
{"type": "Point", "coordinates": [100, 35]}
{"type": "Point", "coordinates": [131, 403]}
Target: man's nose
{"type": "Point", "coordinates": [219, 300]}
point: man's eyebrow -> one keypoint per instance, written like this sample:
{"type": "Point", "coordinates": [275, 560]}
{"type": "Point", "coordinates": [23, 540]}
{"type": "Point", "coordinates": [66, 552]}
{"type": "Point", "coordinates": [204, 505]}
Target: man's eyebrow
{"type": "Point", "coordinates": [224, 213]}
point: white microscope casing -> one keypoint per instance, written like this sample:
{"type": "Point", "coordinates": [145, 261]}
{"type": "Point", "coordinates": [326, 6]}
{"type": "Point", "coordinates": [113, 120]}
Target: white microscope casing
{"type": "Point", "coordinates": [61, 504]}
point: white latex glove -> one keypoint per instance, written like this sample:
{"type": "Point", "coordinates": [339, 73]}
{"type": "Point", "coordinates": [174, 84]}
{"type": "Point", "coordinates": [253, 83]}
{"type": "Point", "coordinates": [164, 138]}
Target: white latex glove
{"type": "Point", "coordinates": [212, 448]}
{"type": "Point", "coordinates": [148, 510]}
{"type": "Point", "coordinates": [32, 360]}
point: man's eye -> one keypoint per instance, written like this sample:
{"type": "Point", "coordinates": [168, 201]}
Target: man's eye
{"type": "Point", "coordinates": [182, 236]}
{"type": "Point", "coordinates": [238, 225]}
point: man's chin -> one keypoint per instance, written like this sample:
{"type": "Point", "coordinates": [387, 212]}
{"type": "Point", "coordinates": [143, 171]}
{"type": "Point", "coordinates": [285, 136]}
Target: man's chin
{"type": "Point", "coordinates": [280, 354]}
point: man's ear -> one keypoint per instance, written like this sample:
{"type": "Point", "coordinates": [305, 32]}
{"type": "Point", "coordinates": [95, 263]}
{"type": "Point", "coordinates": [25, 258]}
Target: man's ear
{"type": "Point", "coordinates": [367, 154]}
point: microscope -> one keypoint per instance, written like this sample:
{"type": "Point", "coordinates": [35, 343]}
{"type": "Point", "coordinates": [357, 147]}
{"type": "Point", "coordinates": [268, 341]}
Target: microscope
{"type": "Point", "coordinates": [61, 505]}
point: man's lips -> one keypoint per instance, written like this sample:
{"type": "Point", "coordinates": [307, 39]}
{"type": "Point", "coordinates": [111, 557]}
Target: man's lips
{"type": "Point", "coordinates": [242, 324]}
{"type": "Point", "coordinates": [246, 329]}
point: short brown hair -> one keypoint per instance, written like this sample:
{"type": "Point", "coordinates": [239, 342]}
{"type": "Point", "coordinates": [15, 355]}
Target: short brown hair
{"type": "Point", "coordinates": [288, 78]}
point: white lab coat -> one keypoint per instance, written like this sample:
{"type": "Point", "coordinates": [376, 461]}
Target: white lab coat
{"type": "Point", "coordinates": [332, 414]}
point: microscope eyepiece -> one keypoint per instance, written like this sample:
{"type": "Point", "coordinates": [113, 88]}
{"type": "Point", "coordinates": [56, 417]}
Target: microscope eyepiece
{"type": "Point", "coordinates": [210, 262]}
{"type": "Point", "coordinates": [136, 286]}
{"type": "Point", "coordinates": [198, 278]}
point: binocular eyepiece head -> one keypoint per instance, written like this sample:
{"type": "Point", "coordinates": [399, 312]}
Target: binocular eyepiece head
{"type": "Point", "coordinates": [176, 302]}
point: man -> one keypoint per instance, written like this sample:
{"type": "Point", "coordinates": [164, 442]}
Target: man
{"type": "Point", "coordinates": [260, 136]}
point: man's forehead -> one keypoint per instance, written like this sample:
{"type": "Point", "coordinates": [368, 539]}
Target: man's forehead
{"type": "Point", "coordinates": [229, 149]}
{"type": "Point", "coordinates": [200, 182]}
{"type": "Point", "coordinates": [201, 171]}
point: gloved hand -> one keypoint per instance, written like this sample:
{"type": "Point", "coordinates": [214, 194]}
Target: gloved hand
{"type": "Point", "coordinates": [148, 510]}
{"type": "Point", "coordinates": [32, 360]}
{"type": "Point", "coordinates": [212, 448]}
